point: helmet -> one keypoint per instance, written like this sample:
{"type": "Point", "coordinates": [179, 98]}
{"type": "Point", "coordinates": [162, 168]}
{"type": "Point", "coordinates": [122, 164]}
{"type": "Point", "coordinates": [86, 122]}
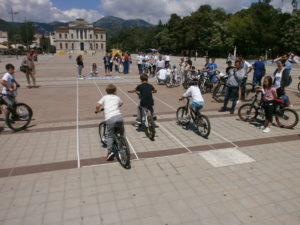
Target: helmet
{"type": "Point", "coordinates": [174, 66]}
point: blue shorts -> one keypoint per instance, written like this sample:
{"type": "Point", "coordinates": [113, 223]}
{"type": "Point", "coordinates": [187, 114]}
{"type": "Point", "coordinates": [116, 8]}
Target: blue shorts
{"type": "Point", "coordinates": [198, 105]}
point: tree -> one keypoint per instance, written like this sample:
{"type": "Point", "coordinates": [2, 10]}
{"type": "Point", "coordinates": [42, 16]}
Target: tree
{"type": "Point", "coordinates": [27, 33]}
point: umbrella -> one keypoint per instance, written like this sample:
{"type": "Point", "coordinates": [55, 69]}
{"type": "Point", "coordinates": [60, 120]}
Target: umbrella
{"type": "Point", "coordinates": [153, 50]}
{"type": "Point", "coordinates": [3, 47]}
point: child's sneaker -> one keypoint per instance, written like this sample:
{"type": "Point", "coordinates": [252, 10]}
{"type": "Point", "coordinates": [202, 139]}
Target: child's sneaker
{"type": "Point", "coordinates": [266, 130]}
{"type": "Point", "coordinates": [110, 156]}
{"type": "Point", "coordinates": [187, 117]}
{"type": "Point", "coordinates": [262, 127]}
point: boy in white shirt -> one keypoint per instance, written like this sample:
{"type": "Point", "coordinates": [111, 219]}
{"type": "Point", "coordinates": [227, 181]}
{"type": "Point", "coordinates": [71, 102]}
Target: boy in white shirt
{"type": "Point", "coordinates": [113, 117]}
{"type": "Point", "coordinates": [8, 81]}
{"type": "Point", "coordinates": [197, 99]}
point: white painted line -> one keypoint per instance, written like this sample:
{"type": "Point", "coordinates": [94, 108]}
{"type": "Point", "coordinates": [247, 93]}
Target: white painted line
{"type": "Point", "coordinates": [224, 138]}
{"type": "Point", "coordinates": [127, 96]}
{"type": "Point", "coordinates": [226, 157]}
{"type": "Point", "coordinates": [172, 136]}
{"type": "Point", "coordinates": [77, 129]}
{"type": "Point", "coordinates": [131, 146]}
{"type": "Point", "coordinates": [171, 107]}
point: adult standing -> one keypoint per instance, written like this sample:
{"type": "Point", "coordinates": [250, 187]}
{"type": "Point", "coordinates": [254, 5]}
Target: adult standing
{"type": "Point", "coordinates": [213, 71]}
{"type": "Point", "coordinates": [79, 61]}
{"type": "Point", "coordinates": [106, 61]}
{"type": "Point", "coordinates": [232, 86]}
{"type": "Point", "coordinates": [111, 62]}
{"type": "Point", "coordinates": [139, 61]}
{"type": "Point", "coordinates": [126, 63]}
{"type": "Point", "coordinates": [160, 63]}
{"type": "Point", "coordinates": [29, 66]}
{"type": "Point", "coordinates": [248, 68]}
{"type": "Point", "coordinates": [259, 71]}
{"type": "Point", "coordinates": [167, 60]}
{"type": "Point", "coordinates": [281, 78]}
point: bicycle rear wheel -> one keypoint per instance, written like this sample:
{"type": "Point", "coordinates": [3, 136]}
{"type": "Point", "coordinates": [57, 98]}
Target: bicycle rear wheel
{"type": "Point", "coordinates": [203, 125]}
{"type": "Point", "coordinates": [123, 152]}
{"type": "Point", "coordinates": [150, 129]}
{"type": "Point", "coordinates": [248, 112]}
{"type": "Point", "coordinates": [287, 118]}
{"type": "Point", "coordinates": [102, 132]}
{"type": "Point", "coordinates": [19, 117]}
{"type": "Point", "coordinates": [181, 111]}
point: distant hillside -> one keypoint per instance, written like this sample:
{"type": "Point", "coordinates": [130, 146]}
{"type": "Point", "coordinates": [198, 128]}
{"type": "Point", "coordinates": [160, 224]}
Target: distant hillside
{"type": "Point", "coordinates": [110, 23]}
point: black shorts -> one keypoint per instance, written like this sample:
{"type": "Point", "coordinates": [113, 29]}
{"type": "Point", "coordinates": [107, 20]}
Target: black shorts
{"type": "Point", "coordinates": [107, 67]}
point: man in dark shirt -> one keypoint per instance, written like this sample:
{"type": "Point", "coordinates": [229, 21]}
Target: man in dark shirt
{"type": "Point", "coordinates": [144, 91]}
{"type": "Point", "coordinates": [259, 71]}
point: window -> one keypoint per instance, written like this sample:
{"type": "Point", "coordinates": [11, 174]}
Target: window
{"type": "Point", "coordinates": [66, 45]}
{"type": "Point", "coordinates": [101, 36]}
{"type": "Point", "coordinates": [72, 45]}
{"type": "Point", "coordinates": [66, 36]}
{"type": "Point", "coordinates": [72, 36]}
{"type": "Point", "coordinates": [91, 46]}
{"type": "Point", "coordinates": [59, 35]}
{"type": "Point", "coordinates": [96, 36]}
{"type": "Point", "coordinates": [97, 46]}
{"type": "Point", "coordinates": [101, 46]}
{"type": "Point", "coordinates": [60, 46]}
{"type": "Point", "coordinates": [91, 36]}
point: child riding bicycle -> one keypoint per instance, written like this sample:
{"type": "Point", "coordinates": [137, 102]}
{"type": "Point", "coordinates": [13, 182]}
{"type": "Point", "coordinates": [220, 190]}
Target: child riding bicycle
{"type": "Point", "coordinates": [145, 91]}
{"type": "Point", "coordinates": [8, 82]}
{"type": "Point", "coordinates": [197, 99]}
{"type": "Point", "coordinates": [113, 117]}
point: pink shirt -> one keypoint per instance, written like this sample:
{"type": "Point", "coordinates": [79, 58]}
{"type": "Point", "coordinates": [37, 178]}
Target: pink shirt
{"type": "Point", "coordinates": [269, 93]}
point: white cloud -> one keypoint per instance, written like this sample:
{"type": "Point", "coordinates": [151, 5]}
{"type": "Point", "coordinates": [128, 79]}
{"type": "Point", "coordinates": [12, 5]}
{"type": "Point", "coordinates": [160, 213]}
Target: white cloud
{"type": "Point", "coordinates": [43, 11]}
{"type": "Point", "coordinates": [286, 6]}
{"type": "Point", "coordinates": [154, 10]}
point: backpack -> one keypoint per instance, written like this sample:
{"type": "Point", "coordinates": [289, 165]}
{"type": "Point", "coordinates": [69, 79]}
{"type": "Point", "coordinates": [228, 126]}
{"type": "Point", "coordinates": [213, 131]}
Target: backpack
{"type": "Point", "coordinates": [285, 101]}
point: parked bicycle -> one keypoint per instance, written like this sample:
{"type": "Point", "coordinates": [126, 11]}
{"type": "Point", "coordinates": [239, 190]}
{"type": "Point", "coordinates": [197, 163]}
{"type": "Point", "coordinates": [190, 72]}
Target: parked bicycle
{"type": "Point", "coordinates": [219, 91]}
{"type": "Point", "coordinates": [285, 117]}
{"type": "Point", "coordinates": [172, 82]}
{"type": "Point", "coordinates": [19, 114]}
{"type": "Point", "coordinates": [200, 121]}
{"type": "Point", "coordinates": [204, 82]}
{"type": "Point", "coordinates": [120, 144]}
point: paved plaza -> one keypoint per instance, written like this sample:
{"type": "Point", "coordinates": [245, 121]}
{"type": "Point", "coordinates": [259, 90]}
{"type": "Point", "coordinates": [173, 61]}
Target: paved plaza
{"type": "Point", "coordinates": [55, 171]}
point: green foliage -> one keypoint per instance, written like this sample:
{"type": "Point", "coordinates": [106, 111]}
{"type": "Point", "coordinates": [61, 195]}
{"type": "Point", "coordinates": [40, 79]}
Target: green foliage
{"type": "Point", "coordinates": [27, 33]}
{"type": "Point", "coordinates": [254, 30]}
{"type": "Point", "coordinates": [44, 43]}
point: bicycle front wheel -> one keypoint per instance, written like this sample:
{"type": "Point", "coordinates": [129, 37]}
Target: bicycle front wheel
{"type": "Point", "coordinates": [203, 125]}
{"type": "Point", "coordinates": [19, 117]}
{"type": "Point", "coordinates": [287, 118]}
{"type": "Point", "coordinates": [181, 112]}
{"type": "Point", "coordinates": [219, 93]}
{"type": "Point", "coordinates": [123, 152]}
{"type": "Point", "coordinates": [102, 133]}
{"type": "Point", "coordinates": [150, 129]}
{"type": "Point", "coordinates": [248, 112]}
{"type": "Point", "coordinates": [249, 91]}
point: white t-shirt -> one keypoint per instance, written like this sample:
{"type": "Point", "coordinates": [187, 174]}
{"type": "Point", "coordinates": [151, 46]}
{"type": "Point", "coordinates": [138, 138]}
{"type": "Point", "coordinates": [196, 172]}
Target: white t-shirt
{"type": "Point", "coordinates": [9, 78]}
{"type": "Point", "coordinates": [111, 105]}
{"type": "Point", "coordinates": [162, 74]}
{"type": "Point", "coordinates": [246, 66]}
{"type": "Point", "coordinates": [139, 59]}
{"type": "Point", "coordinates": [278, 77]}
{"type": "Point", "coordinates": [195, 93]}
{"type": "Point", "coordinates": [167, 58]}
{"type": "Point", "coordinates": [160, 63]}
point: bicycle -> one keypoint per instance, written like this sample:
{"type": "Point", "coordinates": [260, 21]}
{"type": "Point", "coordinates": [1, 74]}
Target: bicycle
{"type": "Point", "coordinates": [120, 144]}
{"type": "Point", "coordinates": [200, 121]}
{"type": "Point", "coordinates": [299, 84]}
{"type": "Point", "coordinates": [219, 91]}
{"type": "Point", "coordinates": [148, 121]}
{"type": "Point", "coordinates": [204, 82]}
{"type": "Point", "coordinates": [19, 114]}
{"type": "Point", "coordinates": [171, 82]}
{"type": "Point", "coordinates": [285, 117]}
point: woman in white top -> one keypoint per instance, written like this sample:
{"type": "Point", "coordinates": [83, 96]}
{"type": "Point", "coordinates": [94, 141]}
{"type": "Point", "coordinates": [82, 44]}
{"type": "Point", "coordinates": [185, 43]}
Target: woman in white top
{"type": "Point", "coordinates": [281, 77]}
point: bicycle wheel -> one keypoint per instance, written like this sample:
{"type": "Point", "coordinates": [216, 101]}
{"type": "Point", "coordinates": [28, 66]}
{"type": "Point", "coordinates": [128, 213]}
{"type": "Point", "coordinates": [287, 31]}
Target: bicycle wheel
{"type": "Point", "coordinates": [299, 86]}
{"type": "Point", "coordinates": [287, 118]}
{"type": "Point", "coordinates": [219, 93]}
{"type": "Point", "coordinates": [123, 152]}
{"type": "Point", "coordinates": [150, 129]}
{"type": "Point", "coordinates": [181, 111]}
{"type": "Point", "coordinates": [203, 125]}
{"type": "Point", "coordinates": [19, 117]}
{"type": "Point", "coordinates": [248, 112]}
{"type": "Point", "coordinates": [249, 91]}
{"type": "Point", "coordinates": [102, 132]}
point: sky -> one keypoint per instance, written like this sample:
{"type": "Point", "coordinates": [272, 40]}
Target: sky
{"type": "Point", "coordinates": [91, 10]}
